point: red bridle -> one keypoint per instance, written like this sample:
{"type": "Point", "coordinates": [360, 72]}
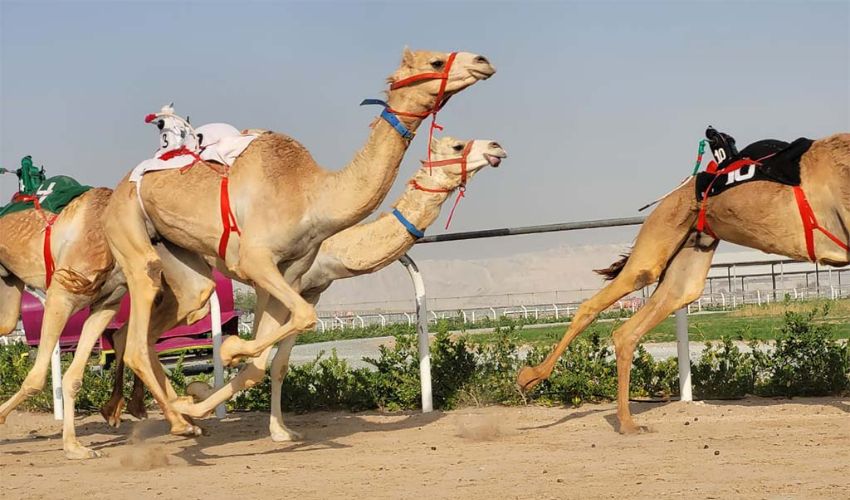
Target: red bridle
{"type": "Point", "coordinates": [462, 161]}
{"type": "Point", "coordinates": [439, 102]}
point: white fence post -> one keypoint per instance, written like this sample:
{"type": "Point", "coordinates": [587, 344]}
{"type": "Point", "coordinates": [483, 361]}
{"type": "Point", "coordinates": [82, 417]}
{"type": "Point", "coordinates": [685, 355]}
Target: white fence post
{"type": "Point", "coordinates": [56, 380]}
{"type": "Point", "coordinates": [422, 331]}
{"type": "Point", "coordinates": [684, 355]}
{"type": "Point", "coordinates": [218, 367]}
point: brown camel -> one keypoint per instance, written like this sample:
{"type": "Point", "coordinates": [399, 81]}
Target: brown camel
{"type": "Point", "coordinates": [369, 247]}
{"type": "Point", "coordinates": [669, 250]}
{"type": "Point", "coordinates": [284, 204]}
{"type": "Point", "coordinates": [85, 277]}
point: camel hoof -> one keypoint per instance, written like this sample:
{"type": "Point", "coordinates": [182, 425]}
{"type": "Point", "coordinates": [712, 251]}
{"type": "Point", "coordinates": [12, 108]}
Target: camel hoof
{"type": "Point", "coordinates": [633, 429]}
{"type": "Point", "coordinates": [186, 406]}
{"type": "Point", "coordinates": [112, 413]}
{"type": "Point", "coordinates": [137, 409]}
{"type": "Point", "coordinates": [528, 377]}
{"type": "Point", "coordinates": [199, 390]}
{"type": "Point", "coordinates": [284, 434]}
{"type": "Point", "coordinates": [80, 452]}
{"type": "Point", "coordinates": [189, 430]}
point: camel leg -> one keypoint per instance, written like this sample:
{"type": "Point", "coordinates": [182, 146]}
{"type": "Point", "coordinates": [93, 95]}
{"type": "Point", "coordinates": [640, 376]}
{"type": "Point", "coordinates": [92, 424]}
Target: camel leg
{"type": "Point", "coordinates": [11, 289]}
{"type": "Point", "coordinates": [682, 283]}
{"type": "Point", "coordinates": [264, 272]}
{"type": "Point", "coordinates": [97, 321]}
{"type": "Point", "coordinates": [280, 365]}
{"type": "Point", "coordinates": [136, 405]}
{"type": "Point", "coordinates": [188, 286]}
{"type": "Point", "coordinates": [113, 408]}
{"type": "Point", "coordinates": [58, 307]}
{"type": "Point", "coordinates": [661, 235]}
{"type": "Point", "coordinates": [273, 315]}
{"type": "Point", "coordinates": [130, 245]}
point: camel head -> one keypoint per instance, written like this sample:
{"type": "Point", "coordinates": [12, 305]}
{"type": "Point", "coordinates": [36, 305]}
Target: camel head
{"type": "Point", "coordinates": [174, 131]}
{"type": "Point", "coordinates": [446, 169]}
{"type": "Point", "coordinates": [422, 73]}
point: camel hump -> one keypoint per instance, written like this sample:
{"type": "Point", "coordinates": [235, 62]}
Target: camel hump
{"type": "Point", "coordinates": [279, 148]}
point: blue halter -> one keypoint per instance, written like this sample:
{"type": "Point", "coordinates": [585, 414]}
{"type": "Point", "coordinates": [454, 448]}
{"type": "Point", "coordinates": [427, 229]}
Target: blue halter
{"type": "Point", "coordinates": [416, 233]}
{"type": "Point", "coordinates": [390, 117]}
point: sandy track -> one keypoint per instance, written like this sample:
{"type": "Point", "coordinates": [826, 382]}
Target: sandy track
{"type": "Point", "coordinates": [756, 448]}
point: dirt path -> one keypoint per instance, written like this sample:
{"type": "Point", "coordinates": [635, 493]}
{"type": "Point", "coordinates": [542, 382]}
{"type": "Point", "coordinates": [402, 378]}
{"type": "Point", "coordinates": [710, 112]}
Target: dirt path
{"type": "Point", "coordinates": [755, 449]}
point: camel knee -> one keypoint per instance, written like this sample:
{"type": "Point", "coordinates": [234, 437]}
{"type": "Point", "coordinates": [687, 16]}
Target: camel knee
{"type": "Point", "coordinates": [71, 386]}
{"type": "Point", "coordinates": [253, 375]}
{"type": "Point", "coordinates": [305, 319]}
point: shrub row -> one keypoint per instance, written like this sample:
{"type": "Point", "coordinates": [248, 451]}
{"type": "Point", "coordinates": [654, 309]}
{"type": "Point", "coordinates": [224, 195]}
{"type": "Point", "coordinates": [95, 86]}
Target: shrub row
{"type": "Point", "coordinates": [805, 360]}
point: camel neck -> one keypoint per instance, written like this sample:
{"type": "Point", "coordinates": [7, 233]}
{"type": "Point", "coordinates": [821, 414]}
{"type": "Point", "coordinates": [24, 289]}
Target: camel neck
{"type": "Point", "coordinates": [366, 248]}
{"type": "Point", "coordinates": [354, 192]}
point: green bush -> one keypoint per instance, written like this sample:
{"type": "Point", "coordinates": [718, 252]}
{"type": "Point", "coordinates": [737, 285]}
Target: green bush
{"type": "Point", "coordinates": [724, 372]}
{"type": "Point", "coordinates": [806, 359]}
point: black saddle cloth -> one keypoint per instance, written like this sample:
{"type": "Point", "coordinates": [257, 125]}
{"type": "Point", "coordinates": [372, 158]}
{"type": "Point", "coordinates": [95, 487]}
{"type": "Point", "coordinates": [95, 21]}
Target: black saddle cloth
{"type": "Point", "coordinates": [783, 167]}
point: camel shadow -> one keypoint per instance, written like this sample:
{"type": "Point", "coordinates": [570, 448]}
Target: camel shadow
{"type": "Point", "coordinates": [751, 401]}
{"type": "Point", "coordinates": [318, 434]}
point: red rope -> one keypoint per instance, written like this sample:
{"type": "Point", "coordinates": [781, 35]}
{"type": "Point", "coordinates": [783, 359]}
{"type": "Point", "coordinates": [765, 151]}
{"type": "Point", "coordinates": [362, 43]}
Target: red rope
{"type": "Point", "coordinates": [462, 160]}
{"type": "Point", "coordinates": [810, 223]}
{"type": "Point", "coordinates": [47, 253]}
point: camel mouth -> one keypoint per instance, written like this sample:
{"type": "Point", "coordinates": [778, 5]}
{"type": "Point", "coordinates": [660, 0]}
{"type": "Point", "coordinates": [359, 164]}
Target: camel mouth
{"type": "Point", "coordinates": [481, 74]}
{"type": "Point", "coordinates": [493, 160]}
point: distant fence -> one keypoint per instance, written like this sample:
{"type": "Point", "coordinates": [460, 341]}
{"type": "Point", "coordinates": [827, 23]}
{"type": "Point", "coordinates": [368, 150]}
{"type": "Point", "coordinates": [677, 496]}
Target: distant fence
{"type": "Point", "coordinates": [730, 285]}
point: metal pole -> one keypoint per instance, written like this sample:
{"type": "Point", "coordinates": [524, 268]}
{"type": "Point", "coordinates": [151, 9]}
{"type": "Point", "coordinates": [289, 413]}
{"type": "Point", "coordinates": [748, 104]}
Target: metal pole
{"type": "Point", "coordinates": [422, 331]}
{"type": "Point", "coordinates": [773, 279]}
{"type": "Point", "coordinates": [683, 351]}
{"type": "Point", "coordinates": [218, 368]}
{"type": "Point", "coordinates": [545, 228]}
{"type": "Point", "coordinates": [56, 379]}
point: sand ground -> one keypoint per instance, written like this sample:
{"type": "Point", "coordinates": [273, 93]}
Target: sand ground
{"type": "Point", "coordinates": [755, 448]}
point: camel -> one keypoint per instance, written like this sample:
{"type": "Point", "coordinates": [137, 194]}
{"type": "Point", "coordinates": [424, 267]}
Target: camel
{"type": "Point", "coordinates": [283, 204]}
{"type": "Point", "coordinates": [369, 247]}
{"type": "Point", "coordinates": [85, 276]}
{"type": "Point", "coordinates": [669, 250]}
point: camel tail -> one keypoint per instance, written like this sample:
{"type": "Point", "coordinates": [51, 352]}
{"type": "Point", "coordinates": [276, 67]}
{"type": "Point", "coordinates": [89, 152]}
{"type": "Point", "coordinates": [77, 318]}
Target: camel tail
{"type": "Point", "coordinates": [78, 284]}
{"type": "Point", "coordinates": [614, 269]}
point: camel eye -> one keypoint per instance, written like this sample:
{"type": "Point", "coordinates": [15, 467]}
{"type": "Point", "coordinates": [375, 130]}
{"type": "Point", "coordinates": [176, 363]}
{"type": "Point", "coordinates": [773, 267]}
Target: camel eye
{"type": "Point", "coordinates": [458, 147]}
{"type": "Point", "coordinates": [438, 64]}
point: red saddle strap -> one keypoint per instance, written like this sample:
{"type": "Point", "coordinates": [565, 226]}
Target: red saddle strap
{"type": "Point", "coordinates": [228, 220]}
{"type": "Point", "coordinates": [702, 223]}
{"type": "Point", "coordinates": [810, 223]}
{"type": "Point", "coordinates": [49, 264]}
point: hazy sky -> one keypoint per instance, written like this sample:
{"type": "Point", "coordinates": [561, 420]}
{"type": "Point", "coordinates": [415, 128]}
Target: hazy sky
{"type": "Point", "coordinates": [600, 105]}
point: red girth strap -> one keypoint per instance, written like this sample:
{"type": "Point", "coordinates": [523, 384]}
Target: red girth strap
{"type": "Point", "coordinates": [49, 264]}
{"type": "Point", "coordinates": [439, 102]}
{"type": "Point", "coordinates": [810, 223]}
{"type": "Point", "coordinates": [228, 220]}
{"type": "Point", "coordinates": [464, 156]}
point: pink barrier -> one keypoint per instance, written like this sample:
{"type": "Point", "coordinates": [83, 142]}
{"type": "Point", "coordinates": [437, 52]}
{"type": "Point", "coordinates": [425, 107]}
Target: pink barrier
{"type": "Point", "coordinates": [179, 338]}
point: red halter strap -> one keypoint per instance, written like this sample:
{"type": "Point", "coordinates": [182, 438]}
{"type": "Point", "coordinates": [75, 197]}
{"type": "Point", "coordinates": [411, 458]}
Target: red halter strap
{"type": "Point", "coordinates": [462, 161]}
{"type": "Point", "coordinates": [49, 265]}
{"type": "Point", "coordinates": [810, 223]}
{"type": "Point", "coordinates": [439, 102]}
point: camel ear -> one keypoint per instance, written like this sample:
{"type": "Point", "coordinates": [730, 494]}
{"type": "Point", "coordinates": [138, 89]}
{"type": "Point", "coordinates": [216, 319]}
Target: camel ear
{"type": "Point", "coordinates": [407, 57]}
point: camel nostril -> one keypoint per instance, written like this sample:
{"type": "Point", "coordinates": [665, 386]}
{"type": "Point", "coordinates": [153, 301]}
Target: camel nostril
{"type": "Point", "coordinates": [482, 60]}
{"type": "Point", "coordinates": [495, 145]}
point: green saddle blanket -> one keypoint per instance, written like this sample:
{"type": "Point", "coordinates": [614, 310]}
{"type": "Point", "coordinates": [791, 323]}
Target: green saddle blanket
{"type": "Point", "coordinates": [54, 194]}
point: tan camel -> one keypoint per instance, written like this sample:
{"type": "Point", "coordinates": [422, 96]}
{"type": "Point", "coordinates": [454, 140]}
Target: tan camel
{"type": "Point", "coordinates": [85, 276]}
{"type": "Point", "coordinates": [369, 247]}
{"type": "Point", "coordinates": [668, 249]}
{"type": "Point", "coordinates": [284, 204]}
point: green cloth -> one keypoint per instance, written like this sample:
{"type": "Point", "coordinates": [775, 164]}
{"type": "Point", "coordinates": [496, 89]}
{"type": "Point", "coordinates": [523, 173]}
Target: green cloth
{"type": "Point", "coordinates": [60, 191]}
